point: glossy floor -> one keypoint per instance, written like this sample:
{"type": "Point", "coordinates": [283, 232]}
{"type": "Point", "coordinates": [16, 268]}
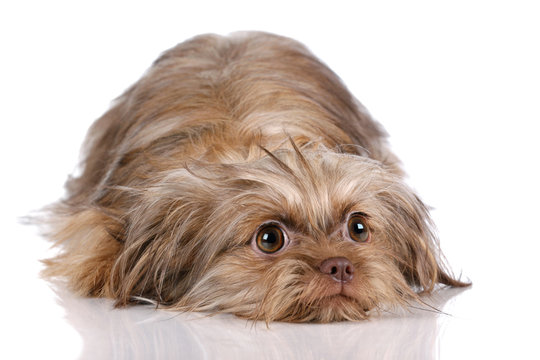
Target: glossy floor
{"type": "Point", "coordinates": [142, 332]}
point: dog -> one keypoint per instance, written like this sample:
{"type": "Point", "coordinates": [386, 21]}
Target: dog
{"type": "Point", "coordinates": [239, 175]}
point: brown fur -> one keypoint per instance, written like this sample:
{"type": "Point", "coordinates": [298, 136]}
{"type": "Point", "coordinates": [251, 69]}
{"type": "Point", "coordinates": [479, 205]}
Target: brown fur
{"type": "Point", "coordinates": [220, 136]}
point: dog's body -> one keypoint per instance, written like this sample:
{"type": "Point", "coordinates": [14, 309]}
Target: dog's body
{"type": "Point", "coordinates": [239, 175]}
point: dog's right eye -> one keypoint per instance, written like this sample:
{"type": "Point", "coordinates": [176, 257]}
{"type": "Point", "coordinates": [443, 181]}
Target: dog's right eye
{"type": "Point", "coordinates": [270, 239]}
{"type": "Point", "coordinates": [358, 230]}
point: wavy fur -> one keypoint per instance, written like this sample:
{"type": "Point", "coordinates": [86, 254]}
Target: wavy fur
{"type": "Point", "coordinates": [220, 136]}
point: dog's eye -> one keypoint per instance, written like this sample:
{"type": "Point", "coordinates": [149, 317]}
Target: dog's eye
{"type": "Point", "coordinates": [358, 230]}
{"type": "Point", "coordinates": [270, 239]}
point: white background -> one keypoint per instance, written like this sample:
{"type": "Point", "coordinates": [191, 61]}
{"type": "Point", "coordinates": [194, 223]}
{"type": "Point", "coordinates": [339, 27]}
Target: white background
{"type": "Point", "coordinates": [455, 83]}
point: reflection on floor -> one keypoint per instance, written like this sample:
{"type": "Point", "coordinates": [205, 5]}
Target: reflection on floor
{"type": "Point", "coordinates": [142, 332]}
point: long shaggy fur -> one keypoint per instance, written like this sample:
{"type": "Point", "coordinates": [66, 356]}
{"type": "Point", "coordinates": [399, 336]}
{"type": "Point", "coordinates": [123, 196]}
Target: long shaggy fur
{"type": "Point", "coordinates": [224, 134]}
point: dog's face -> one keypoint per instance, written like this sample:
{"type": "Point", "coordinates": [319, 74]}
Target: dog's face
{"type": "Point", "coordinates": [298, 236]}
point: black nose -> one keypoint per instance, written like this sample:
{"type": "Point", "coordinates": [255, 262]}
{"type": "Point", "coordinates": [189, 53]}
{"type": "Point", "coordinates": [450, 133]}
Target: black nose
{"type": "Point", "coordinates": [339, 268]}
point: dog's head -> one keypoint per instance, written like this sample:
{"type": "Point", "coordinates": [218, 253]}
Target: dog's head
{"type": "Point", "coordinates": [298, 235]}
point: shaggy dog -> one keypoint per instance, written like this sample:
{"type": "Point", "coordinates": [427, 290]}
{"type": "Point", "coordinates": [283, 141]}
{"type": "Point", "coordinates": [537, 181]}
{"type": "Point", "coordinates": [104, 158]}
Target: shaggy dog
{"type": "Point", "coordinates": [239, 175]}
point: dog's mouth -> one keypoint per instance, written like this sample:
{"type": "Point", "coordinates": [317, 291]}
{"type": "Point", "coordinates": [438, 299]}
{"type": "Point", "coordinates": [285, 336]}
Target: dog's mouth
{"type": "Point", "coordinates": [338, 302]}
{"type": "Point", "coordinates": [337, 294]}
{"type": "Point", "coordinates": [339, 289]}
{"type": "Point", "coordinates": [337, 298]}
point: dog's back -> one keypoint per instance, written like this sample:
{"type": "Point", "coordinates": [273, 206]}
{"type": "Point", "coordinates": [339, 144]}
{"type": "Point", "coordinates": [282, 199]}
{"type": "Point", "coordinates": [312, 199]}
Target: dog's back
{"type": "Point", "coordinates": [219, 99]}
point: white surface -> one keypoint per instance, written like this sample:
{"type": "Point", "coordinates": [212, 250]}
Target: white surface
{"type": "Point", "coordinates": [456, 84]}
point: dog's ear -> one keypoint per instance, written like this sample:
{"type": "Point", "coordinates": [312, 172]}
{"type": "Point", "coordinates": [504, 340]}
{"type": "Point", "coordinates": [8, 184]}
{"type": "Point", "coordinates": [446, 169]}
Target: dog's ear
{"type": "Point", "coordinates": [412, 234]}
{"type": "Point", "coordinates": [425, 266]}
{"type": "Point", "coordinates": [447, 279]}
{"type": "Point", "coordinates": [136, 254]}
{"type": "Point", "coordinates": [176, 229]}
{"type": "Point", "coordinates": [89, 250]}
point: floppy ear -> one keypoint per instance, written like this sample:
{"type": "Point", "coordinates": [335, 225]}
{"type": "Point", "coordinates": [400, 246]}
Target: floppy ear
{"type": "Point", "coordinates": [426, 266]}
{"type": "Point", "coordinates": [89, 250]}
{"type": "Point", "coordinates": [446, 279]}
{"type": "Point", "coordinates": [138, 254]}
{"type": "Point", "coordinates": [412, 234]}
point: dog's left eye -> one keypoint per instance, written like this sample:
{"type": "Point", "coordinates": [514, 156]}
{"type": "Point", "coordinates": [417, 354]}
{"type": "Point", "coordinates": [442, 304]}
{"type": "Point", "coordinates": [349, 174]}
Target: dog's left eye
{"type": "Point", "coordinates": [358, 230]}
{"type": "Point", "coordinates": [270, 239]}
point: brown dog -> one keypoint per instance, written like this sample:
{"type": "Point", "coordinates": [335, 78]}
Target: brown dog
{"type": "Point", "coordinates": [239, 175]}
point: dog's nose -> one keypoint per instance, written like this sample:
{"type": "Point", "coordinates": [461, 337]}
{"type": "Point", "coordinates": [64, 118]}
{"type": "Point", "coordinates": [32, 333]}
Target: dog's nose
{"type": "Point", "coordinates": [339, 268]}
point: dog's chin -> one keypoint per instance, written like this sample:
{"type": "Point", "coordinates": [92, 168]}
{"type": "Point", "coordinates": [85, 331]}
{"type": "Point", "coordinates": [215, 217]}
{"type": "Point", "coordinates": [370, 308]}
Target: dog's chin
{"type": "Point", "coordinates": [338, 307]}
{"type": "Point", "coordinates": [337, 302]}
{"type": "Point", "coordinates": [340, 303]}
{"type": "Point", "coordinates": [327, 309]}
{"type": "Point", "coordinates": [331, 305]}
